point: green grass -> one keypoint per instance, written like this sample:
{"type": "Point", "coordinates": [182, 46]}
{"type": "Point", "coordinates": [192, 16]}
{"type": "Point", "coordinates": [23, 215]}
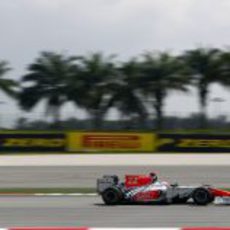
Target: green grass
{"type": "Point", "coordinates": [46, 190]}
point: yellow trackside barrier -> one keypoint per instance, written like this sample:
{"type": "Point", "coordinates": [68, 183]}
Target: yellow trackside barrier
{"type": "Point", "coordinates": [26, 141]}
{"type": "Point", "coordinates": [111, 142]}
{"type": "Point", "coordinates": [193, 142]}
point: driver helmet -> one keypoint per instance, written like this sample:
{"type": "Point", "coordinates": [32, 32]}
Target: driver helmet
{"type": "Point", "coordinates": [153, 176]}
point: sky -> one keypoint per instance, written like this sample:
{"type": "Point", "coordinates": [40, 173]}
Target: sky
{"type": "Point", "coordinates": [123, 27]}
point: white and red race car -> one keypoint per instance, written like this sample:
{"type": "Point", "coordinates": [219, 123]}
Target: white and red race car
{"type": "Point", "coordinates": [141, 189]}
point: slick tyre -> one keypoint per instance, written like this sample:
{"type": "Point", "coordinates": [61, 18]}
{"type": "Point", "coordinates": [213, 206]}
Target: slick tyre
{"type": "Point", "coordinates": [112, 196]}
{"type": "Point", "coordinates": [202, 196]}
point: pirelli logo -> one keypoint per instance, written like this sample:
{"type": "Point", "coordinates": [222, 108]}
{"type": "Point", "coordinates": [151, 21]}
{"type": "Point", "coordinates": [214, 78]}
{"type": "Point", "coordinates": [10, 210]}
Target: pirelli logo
{"type": "Point", "coordinates": [112, 141]}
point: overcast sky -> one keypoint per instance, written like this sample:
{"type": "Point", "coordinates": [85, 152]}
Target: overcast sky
{"type": "Point", "coordinates": [123, 27]}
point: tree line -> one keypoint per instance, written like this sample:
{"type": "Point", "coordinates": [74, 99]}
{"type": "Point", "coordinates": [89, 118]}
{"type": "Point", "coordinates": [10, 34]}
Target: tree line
{"type": "Point", "coordinates": [97, 83]}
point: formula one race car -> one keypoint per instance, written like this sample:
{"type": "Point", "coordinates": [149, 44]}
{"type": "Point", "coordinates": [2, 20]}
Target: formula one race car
{"type": "Point", "coordinates": [147, 189]}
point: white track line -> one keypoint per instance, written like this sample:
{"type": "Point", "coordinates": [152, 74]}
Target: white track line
{"type": "Point", "coordinates": [64, 194]}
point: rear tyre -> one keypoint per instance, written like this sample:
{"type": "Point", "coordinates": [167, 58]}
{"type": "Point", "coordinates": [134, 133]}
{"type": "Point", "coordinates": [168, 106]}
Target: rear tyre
{"type": "Point", "coordinates": [202, 196]}
{"type": "Point", "coordinates": [112, 196]}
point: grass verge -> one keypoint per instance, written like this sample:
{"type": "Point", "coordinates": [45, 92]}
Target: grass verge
{"type": "Point", "coordinates": [45, 190]}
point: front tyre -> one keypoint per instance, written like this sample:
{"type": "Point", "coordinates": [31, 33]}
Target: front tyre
{"type": "Point", "coordinates": [202, 196]}
{"type": "Point", "coordinates": [112, 196]}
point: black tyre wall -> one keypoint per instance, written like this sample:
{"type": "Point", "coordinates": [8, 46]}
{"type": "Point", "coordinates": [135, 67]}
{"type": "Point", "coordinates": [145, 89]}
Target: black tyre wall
{"type": "Point", "coordinates": [202, 196]}
{"type": "Point", "coordinates": [112, 196]}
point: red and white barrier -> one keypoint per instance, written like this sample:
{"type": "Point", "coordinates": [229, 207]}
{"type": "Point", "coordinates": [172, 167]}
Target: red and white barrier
{"type": "Point", "coordinates": [87, 228]}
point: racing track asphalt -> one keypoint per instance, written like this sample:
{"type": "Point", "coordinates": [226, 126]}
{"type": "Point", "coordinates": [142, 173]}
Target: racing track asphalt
{"type": "Point", "coordinates": [89, 211]}
{"type": "Point", "coordinates": [85, 176]}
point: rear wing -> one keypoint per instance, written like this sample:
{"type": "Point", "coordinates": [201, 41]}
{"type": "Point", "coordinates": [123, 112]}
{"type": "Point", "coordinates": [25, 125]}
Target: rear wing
{"type": "Point", "coordinates": [105, 182]}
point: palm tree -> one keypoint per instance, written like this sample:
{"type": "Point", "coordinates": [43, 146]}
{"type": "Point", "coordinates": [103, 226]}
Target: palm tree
{"type": "Point", "coordinates": [126, 94]}
{"type": "Point", "coordinates": [8, 86]}
{"type": "Point", "coordinates": [161, 74]}
{"type": "Point", "coordinates": [225, 69]}
{"type": "Point", "coordinates": [204, 66]}
{"type": "Point", "coordinates": [97, 72]}
{"type": "Point", "coordinates": [48, 80]}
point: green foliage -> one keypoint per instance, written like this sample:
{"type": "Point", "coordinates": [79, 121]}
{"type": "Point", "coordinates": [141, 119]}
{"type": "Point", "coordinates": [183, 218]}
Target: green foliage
{"type": "Point", "coordinates": [225, 69]}
{"type": "Point", "coordinates": [205, 68]}
{"type": "Point", "coordinates": [97, 74]}
{"type": "Point", "coordinates": [126, 95]}
{"type": "Point", "coordinates": [161, 73]}
{"type": "Point", "coordinates": [48, 79]}
{"type": "Point", "coordinates": [8, 86]}
{"type": "Point", "coordinates": [135, 88]}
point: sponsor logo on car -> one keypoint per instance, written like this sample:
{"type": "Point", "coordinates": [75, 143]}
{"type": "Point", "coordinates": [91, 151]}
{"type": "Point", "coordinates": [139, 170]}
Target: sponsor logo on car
{"type": "Point", "coordinates": [147, 196]}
